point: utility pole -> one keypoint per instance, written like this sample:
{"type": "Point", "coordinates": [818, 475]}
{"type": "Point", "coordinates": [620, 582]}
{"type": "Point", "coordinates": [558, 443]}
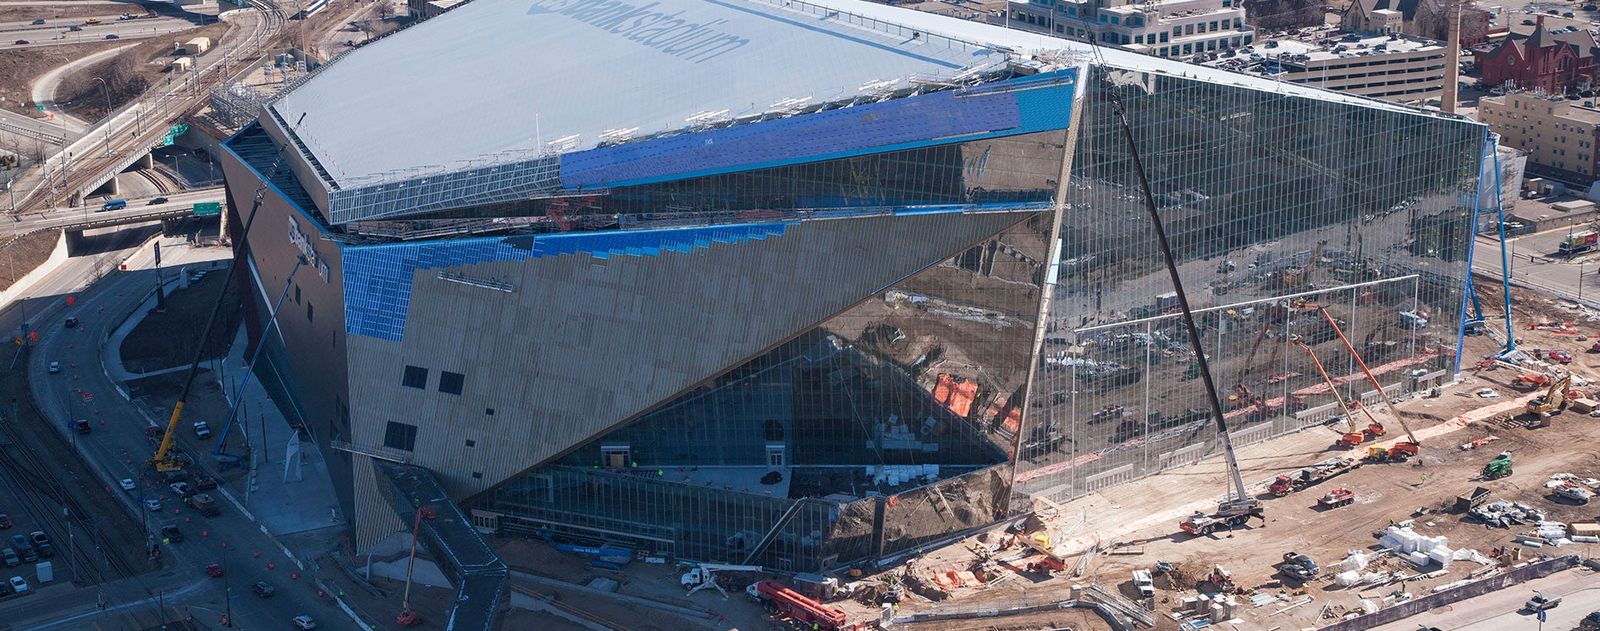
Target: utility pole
{"type": "Point", "coordinates": [1452, 58]}
{"type": "Point", "coordinates": [161, 301]}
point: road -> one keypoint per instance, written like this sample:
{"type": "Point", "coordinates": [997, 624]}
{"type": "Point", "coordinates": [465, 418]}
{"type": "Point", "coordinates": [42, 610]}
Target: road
{"type": "Point", "coordinates": [117, 449]}
{"type": "Point", "coordinates": [140, 125]}
{"type": "Point", "coordinates": [1533, 262]}
{"type": "Point", "coordinates": [63, 217]}
{"type": "Point", "coordinates": [1501, 610]}
{"type": "Point", "coordinates": [58, 34]}
{"type": "Point", "coordinates": [45, 87]}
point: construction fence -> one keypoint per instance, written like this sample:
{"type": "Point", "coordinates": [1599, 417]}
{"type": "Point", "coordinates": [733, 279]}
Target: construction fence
{"type": "Point", "coordinates": [1478, 588]}
{"type": "Point", "coordinates": [1017, 606]}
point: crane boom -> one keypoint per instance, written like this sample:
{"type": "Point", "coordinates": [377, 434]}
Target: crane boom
{"type": "Point", "coordinates": [1374, 380]}
{"type": "Point", "coordinates": [1334, 389]}
{"type": "Point", "coordinates": [1240, 497]}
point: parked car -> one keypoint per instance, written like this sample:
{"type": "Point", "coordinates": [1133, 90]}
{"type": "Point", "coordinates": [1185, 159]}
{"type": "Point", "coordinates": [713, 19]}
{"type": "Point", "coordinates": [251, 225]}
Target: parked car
{"type": "Point", "coordinates": [128, 484]}
{"type": "Point", "coordinates": [183, 489]}
{"type": "Point", "coordinates": [204, 482]}
{"type": "Point", "coordinates": [304, 623]}
{"type": "Point", "coordinates": [152, 504]}
{"type": "Point", "coordinates": [55, 367]}
{"type": "Point", "coordinates": [156, 201]}
{"type": "Point", "coordinates": [5, 521]}
{"type": "Point", "coordinates": [81, 426]}
{"type": "Point", "coordinates": [202, 430]}
{"type": "Point", "coordinates": [10, 557]}
{"type": "Point", "coordinates": [72, 323]}
{"type": "Point", "coordinates": [263, 589]}
{"type": "Point", "coordinates": [1560, 357]}
{"type": "Point", "coordinates": [18, 584]}
{"type": "Point", "coordinates": [24, 549]}
{"type": "Point", "coordinates": [172, 534]}
{"type": "Point", "coordinates": [1541, 602]}
{"type": "Point", "coordinates": [42, 542]}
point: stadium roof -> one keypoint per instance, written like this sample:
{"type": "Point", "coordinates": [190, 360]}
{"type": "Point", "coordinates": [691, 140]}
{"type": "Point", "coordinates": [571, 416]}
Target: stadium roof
{"type": "Point", "coordinates": [497, 76]}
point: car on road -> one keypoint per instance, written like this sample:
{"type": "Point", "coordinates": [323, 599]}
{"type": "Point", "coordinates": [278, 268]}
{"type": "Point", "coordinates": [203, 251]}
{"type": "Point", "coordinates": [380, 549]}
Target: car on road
{"type": "Point", "coordinates": [153, 504]}
{"type": "Point", "coordinates": [182, 489]}
{"type": "Point", "coordinates": [114, 204]}
{"type": "Point", "coordinates": [202, 430]}
{"type": "Point", "coordinates": [113, 36]}
{"type": "Point", "coordinates": [172, 534]}
{"type": "Point", "coordinates": [10, 557]}
{"type": "Point", "coordinates": [72, 323]}
{"type": "Point", "coordinates": [300, 622]}
{"type": "Point", "coordinates": [156, 201]}
{"type": "Point", "coordinates": [128, 484]}
{"type": "Point", "coordinates": [55, 367]}
{"type": "Point", "coordinates": [18, 584]}
{"type": "Point", "coordinates": [1541, 602]}
{"type": "Point", "coordinates": [82, 426]}
{"type": "Point", "coordinates": [75, 28]}
{"type": "Point", "coordinates": [204, 482]}
{"type": "Point", "coordinates": [21, 42]}
{"type": "Point", "coordinates": [24, 549]}
{"type": "Point", "coordinates": [263, 589]}
{"type": "Point", "coordinates": [5, 521]}
{"type": "Point", "coordinates": [42, 542]}
{"type": "Point", "coordinates": [38, 21]}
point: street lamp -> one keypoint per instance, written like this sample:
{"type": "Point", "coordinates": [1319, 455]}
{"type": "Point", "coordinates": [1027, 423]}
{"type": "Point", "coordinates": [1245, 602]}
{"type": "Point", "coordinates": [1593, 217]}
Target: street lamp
{"type": "Point", "coordinates": [106, 90]}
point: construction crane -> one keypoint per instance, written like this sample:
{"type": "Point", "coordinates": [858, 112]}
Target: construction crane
{"type": "Point", "coordinates": [1402, 450]}
{"type": "Point", "coordinates": [163, 459]}
{"type": "Point", "coordinates": [1239, 507]}
{"type": "Point", "coordinates": [1354, 436]}
{"type": "Point", "coordinates": [706, 575]}
{"type": "Point", "coordinates": [1295, 276]}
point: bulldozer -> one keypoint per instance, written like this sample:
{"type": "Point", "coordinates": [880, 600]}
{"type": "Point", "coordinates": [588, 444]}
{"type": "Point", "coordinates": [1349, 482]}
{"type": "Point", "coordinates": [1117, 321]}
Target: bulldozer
{"type": "Point", "coordinates": [1498, 468]}
{"type": "Point", "coordinates": [1552, 402]}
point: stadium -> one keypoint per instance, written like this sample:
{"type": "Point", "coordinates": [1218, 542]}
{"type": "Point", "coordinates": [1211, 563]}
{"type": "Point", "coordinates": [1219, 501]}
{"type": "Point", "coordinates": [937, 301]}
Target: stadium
{"type": "Point", "coordinates": [814, 284]}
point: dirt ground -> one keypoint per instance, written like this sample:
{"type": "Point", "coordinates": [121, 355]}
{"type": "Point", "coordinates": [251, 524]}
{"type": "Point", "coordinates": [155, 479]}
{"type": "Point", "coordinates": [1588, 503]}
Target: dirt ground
{"type": "Point", "coordinates": [20, 66]}
{"type": "Point", "coordinates": [1417, 491]}
{"type": "Point", "coordinates": [64, 10]}
{"type": "Point", "coordinates": [164, 340]}
{"type": "Point", "coordinates": [25, 254]}
{"type": "Point", "coordinates": [155, 56]}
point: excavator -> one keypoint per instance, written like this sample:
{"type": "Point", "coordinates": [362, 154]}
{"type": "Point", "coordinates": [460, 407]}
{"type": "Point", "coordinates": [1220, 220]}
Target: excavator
{"type": "Point", "coordinates": [1552, 402]}
{"type": "Point", "coordinates": [1296, 276]}
{"type": "Point", "coordinates": [1355, 436]}
{"type": "Point", "coordinates": [1402, 450]}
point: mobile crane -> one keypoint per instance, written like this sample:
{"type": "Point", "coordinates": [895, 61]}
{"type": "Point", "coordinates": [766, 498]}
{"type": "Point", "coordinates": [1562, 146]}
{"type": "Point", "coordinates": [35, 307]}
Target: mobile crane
{"type": "Point", "coordinates": [1353, 437]}
{"type": "Point", "coordinates": [1238, 507]}
{"type": "Point", "coordinates": [1402, 450]}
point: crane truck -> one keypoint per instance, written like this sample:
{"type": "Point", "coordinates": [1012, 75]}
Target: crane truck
{"type": "Point", "coordinates": [789, 603]}
{"type": "Point", "coordinates": [1355, 436]}
{"type": "Point", "coordinates": [1401, 451]}
{"type": "Point", "coordinates": [709, 575]}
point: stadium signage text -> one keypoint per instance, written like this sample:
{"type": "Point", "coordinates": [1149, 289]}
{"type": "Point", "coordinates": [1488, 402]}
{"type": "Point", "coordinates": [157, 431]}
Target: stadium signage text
{"type": "Point", "coordinates": [670, 33]}
{"type": "Point", "coordinates": [300, 242]}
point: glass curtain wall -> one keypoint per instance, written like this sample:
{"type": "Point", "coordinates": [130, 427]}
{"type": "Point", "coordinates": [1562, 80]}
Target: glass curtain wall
{"type": "Point", "coordinates": [1280, 210]}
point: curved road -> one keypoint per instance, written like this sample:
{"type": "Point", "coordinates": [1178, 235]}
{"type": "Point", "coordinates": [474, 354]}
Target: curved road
{"type": "Point", "coordinates": [44, 88]}
{"type": "Point", "coordinates": [117, 448]}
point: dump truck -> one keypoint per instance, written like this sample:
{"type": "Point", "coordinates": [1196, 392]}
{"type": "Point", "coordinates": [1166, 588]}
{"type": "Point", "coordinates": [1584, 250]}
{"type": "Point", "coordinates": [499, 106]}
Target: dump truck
{"type": "Point", "coordinates": [1578, 242]}
{"type": "Point", "coordinates": [1400, 452]}
{"type": "Point", "coordinates": [1477, 497]}
{"type": "Point", "coordinates": [797, 606]}
{"type": "Point", "coordinates": [1312, 475]}
{"type": "Point", "coordinates": [204, 503]}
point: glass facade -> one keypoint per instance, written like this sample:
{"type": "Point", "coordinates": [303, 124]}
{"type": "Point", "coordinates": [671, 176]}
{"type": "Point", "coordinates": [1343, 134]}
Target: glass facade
{"type": "Point", "coordinates": [1277, 208]}
{"type": "Point", "coordinates": [900, 421]}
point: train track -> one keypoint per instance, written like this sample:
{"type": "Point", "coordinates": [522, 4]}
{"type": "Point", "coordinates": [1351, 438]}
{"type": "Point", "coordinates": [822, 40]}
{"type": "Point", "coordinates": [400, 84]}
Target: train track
{"type": "Point", "coordinates": [38, 479]}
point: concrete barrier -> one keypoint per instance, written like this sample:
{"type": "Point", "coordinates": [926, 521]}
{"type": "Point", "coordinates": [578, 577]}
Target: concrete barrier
{"type": "Point", "coordinates": [1477, 588]}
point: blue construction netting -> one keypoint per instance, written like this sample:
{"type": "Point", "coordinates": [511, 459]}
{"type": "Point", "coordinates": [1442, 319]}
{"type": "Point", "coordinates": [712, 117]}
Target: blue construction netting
{"type": "Point", "coordinates": [1035, 104]}
{"type": "Point", "coordinates": [377, 279]}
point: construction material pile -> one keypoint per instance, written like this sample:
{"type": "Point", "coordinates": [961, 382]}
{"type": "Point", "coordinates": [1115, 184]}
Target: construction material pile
{"type": "Point", "coordinates": [1418, 549]}
{"type": "Point", "coordinates": [1505, 513]}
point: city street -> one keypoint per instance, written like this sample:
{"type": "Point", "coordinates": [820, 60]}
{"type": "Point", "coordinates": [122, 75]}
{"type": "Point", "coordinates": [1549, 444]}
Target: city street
{"type": "Point", "coordinates": [1502, 610]}
{"type": "Point", "coordinates": [118, 447]}
{"type": "Point", "coordinates": [1533, 261]}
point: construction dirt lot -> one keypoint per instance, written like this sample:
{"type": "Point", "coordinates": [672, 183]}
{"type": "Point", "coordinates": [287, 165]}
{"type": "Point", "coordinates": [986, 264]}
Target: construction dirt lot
{"type": "Point", "coordinates": [1135, 525]}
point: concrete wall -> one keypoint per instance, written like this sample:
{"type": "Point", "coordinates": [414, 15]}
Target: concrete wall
{"type": "Point", "coordinates": [1494, 583]}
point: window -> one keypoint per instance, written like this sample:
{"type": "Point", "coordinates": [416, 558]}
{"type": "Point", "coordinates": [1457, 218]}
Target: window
{"type": "Point", "coordinates": [488, 411]}
{"type": "Point", "coordinates": [450, 382]}
{"type": "Point", "coordinates": [472, 443]}
{"type": "Point", "coordinates": [309, 312]}
{"type": "Point", "coordinates": [415, 377]}
{"type": "Point", "coordinates": [400, 436]}
{"type": "Point", "coordinates": [477, 475]}
{"type": "Point", "coordinates": [1188, 29]}
{"type": "Point", "coordinates": [297, 294]}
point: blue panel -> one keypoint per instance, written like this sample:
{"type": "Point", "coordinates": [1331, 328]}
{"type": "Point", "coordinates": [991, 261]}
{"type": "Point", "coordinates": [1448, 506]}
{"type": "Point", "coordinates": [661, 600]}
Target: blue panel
{"type": "Point", "coordinates": [377, 279]}
{"type": "Point", "coordinates": [1030, 104]}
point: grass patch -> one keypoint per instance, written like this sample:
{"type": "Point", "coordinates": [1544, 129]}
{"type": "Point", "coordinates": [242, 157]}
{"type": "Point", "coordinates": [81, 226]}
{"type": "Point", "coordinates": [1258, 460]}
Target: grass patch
{"type": "Point", "coordinates": [24, 254]}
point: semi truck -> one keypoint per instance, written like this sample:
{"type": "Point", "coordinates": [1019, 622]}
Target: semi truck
{"type": "Point", "coordinates": [1312, 475]}
{"type": "Point", "coordinates": [794, 605]}
{"type": "Point", "coordinates": [1579, 242]}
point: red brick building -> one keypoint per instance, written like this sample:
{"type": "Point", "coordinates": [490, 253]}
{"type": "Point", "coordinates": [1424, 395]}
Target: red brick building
{"type": "Point", "coordinates": [1556, 62]}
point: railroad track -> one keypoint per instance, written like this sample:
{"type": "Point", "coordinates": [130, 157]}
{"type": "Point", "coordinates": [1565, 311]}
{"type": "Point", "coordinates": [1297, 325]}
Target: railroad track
{"type": "Point", "coordinates": [58, 510]}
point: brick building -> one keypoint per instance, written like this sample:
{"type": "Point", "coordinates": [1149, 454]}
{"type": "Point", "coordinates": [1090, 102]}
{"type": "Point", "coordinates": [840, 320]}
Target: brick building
{"type": "Point", "coordinates": [1559, 136]}
{"type": "Point", "coordinates": [1555, 61]}
{"type": "Point", "coordinates": [1421, 18]}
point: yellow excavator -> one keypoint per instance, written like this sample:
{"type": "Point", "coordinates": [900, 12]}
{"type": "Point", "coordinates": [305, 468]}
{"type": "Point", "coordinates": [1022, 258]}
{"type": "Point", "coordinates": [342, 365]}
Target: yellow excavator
{"type": "Point", "coordinates": [1552, 402]}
